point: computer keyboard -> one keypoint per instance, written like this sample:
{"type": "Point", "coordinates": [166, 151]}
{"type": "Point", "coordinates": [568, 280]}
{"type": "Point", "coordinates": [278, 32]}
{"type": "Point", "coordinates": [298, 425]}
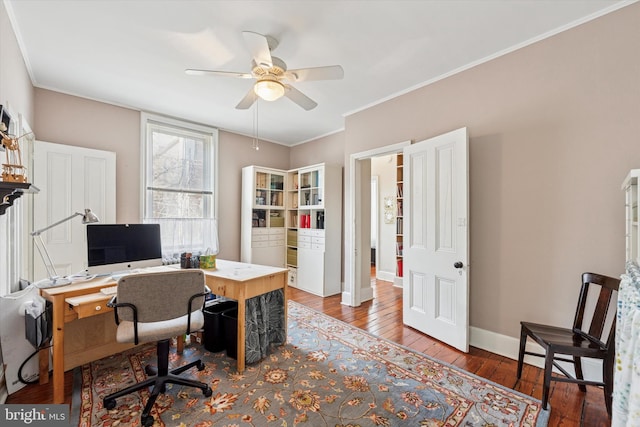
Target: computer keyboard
{"type": "Point", "coordinates": [111, 290]}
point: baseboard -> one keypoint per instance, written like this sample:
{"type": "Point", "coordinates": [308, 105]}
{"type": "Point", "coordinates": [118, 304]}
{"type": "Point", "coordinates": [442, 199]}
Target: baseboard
{"type": "Point", "coordinates": [346, 298]}
{"type": "Point", "coordinates": [387, 276]}
{"type": "Point", "coordinates": [505, 345]}
{"type": "Point", "coordinates": [366, 294]}
{"type": "Point", "coordinates": [509, 347]}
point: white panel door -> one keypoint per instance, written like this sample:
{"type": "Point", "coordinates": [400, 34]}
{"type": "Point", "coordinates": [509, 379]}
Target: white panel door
{"type": "Point", "coordinates": [436, 238]}
{"type": "Point", "coordinates": [70, 179]}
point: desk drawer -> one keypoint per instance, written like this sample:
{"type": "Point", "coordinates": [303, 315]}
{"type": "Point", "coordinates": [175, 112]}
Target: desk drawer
{"type": "Point", "coordinates": [89, 305]}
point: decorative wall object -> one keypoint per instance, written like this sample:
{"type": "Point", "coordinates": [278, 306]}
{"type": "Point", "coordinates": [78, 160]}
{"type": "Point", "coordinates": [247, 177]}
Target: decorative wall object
{"type": "Point", "coordinates": [12, 169]}
{"type": "Point", "coordinates": [389, 215]}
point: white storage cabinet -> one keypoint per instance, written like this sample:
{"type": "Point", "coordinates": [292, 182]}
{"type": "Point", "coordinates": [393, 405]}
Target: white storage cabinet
{"type": "Point", "coordinates": [262, 216]}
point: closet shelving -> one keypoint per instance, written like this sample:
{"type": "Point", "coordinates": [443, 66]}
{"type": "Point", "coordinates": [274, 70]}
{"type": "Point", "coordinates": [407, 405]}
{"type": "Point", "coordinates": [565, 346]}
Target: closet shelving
{"type": "Point", "coordinates": [399, 219]}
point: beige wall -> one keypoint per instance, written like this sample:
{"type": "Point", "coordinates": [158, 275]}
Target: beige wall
{"type": "Point", "coordinates": [329, 149]}
{"type": "Point", "coordinates": [15, 83]}
{"type": "Point", "coordinates": [66, 119]}
{"type": "Point", "coordinates": [71, 120]}
{"type": "Point", "coordinates": [554, 128]}
{"type": "Point", "coordinates": [235, 152]}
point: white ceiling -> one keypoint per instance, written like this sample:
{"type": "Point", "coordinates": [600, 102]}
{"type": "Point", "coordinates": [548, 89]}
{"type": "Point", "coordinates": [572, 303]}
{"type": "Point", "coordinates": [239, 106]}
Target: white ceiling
{"type": "Point", "coordinates": [133, 53]}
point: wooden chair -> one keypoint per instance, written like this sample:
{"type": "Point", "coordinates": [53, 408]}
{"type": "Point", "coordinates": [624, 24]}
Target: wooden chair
{"type": "Point", "coordinates": [580, 341]}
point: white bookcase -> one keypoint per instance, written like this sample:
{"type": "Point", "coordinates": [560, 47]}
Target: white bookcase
{"type": "Point", "coordinates": [319, 251]}
{"type": "Point", "coordinates": [398, 281]}
{"type": "Point", "coordinates": [293, 195]}
{"type": "Point", "coordinates": [309, 225]}
{"type": "Point", "coordinates": [632, 195]}
{"type": "Point", "coordinates": [262, 216]}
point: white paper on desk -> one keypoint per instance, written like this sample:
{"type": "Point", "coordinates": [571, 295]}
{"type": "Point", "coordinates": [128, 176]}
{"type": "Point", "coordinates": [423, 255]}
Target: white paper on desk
{"type": "Point", "coordinates": [15, 347]}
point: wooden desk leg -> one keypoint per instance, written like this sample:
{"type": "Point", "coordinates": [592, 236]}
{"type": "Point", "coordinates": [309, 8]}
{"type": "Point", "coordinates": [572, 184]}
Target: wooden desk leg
{"type": "Point", "coordinates": [58, 348]}
{"type": "Point", "coordinates": [43, 363]}
{"type": "Point", "coordinates": [242, 304]}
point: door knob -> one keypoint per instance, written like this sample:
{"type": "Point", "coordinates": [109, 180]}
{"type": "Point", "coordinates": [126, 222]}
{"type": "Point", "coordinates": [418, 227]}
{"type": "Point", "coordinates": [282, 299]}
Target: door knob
{"type": "Point", "coordinates": [458, 264]}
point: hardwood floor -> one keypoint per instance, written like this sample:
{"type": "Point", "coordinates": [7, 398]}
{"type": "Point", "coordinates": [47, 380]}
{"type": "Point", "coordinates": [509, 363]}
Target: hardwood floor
{"type": "Point", "coordinates": [383, 317]}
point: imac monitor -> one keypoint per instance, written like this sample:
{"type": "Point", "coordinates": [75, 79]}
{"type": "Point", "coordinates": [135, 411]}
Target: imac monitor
{"type": "Point", "coordinates": [115, 248]}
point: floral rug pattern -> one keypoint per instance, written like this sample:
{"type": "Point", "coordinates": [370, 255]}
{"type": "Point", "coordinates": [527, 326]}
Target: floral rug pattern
{"type": "Point", "coordinates": [328, 374]}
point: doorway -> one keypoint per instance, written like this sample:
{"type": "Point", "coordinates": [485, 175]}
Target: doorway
{"type": "Point", "coordinates": [384, 208]}
{"type": "Point", "coordinates": [358, 229]}
{"type": "Point", "coordinates": [436, 175]}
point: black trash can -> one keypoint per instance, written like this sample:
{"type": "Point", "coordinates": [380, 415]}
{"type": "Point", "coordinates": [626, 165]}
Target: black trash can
{"type": "Point", "coordinates": [230, 322]}
{"type": "Point", "coordinates": [214, 340]}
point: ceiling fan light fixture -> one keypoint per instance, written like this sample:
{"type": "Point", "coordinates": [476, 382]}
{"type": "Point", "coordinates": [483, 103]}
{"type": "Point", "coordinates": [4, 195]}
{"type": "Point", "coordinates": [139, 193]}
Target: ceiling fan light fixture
{"type": "Point", "coordinates": [269, 90]}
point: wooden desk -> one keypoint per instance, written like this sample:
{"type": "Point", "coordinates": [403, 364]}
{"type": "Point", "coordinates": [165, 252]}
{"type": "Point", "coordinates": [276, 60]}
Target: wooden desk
{"type": "Point", "coordinates": [240, 281]}
{"type": "Point", "coordinates": [82, 302]}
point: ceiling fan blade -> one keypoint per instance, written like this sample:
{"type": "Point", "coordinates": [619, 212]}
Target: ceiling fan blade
{"type": "Point", "coordinates": [248, 100]}
{"type": "Point", "coordinates": [259, 47]}
{"type": "Point", "coordinates": [194, 72]}
{"type": "Point", "coordinates": [331, 72]}
{"type": "Point", "coordinates": [299, 98]}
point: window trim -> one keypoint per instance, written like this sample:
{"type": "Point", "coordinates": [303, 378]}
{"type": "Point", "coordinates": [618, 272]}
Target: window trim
{"type": "Point", "coordinates": [145, 119]}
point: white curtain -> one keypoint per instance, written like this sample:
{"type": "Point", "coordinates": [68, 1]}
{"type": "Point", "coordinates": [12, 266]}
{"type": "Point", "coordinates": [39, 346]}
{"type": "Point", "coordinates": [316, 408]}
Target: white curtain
{"type": "Point", "coordinates": [194, 235]}
{"type": "Point", "coordinates": [626, 385]}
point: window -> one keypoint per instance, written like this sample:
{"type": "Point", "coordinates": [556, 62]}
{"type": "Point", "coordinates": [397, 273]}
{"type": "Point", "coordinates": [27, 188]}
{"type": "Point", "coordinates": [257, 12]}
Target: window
{"type": "Point", "coordinates": [15, 241]}
{"type": "Point", "coordinates": [179, 185]}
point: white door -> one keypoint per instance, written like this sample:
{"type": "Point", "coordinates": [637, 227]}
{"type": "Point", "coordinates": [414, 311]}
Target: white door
{"type": "Point", "coordinates": [436, 238]}
{"type": "Point", "coordinates": [70, 179]}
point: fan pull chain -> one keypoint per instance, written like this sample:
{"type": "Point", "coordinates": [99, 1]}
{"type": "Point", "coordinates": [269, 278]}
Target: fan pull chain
{"type": "Point", "coordinates": [255, 145]}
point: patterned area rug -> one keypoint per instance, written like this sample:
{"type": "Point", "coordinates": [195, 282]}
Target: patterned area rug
{"type": "Point", "coordinates": [328, 374]}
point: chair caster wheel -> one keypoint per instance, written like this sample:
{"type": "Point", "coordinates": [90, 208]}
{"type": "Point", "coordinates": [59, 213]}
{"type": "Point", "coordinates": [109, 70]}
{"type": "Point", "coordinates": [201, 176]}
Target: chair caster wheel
{"type": "Point", "coordinates": [109, 403]}
{"type": "Point", "coordinates": [207, 392]}
{"type": "Point", "coordinates": [200, 366]}
{"type": "Point", "coordinates": [147, 420]}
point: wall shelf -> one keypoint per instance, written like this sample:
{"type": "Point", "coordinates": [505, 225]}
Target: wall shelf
{"type": "Point", "coordinates": [10, 191]}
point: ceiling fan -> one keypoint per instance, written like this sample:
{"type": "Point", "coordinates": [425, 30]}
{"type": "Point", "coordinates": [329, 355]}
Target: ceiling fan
{"type": "Point", "coordinates": [271, 74]}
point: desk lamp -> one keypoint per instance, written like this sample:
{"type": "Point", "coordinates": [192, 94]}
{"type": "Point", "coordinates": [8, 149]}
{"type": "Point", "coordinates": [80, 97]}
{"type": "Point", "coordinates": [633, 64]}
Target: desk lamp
{"type": "Point", "coordinates": [88, 217]}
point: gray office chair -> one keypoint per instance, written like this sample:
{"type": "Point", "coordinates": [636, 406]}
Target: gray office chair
{"type": "Point", "coordinates": [158, 307]}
